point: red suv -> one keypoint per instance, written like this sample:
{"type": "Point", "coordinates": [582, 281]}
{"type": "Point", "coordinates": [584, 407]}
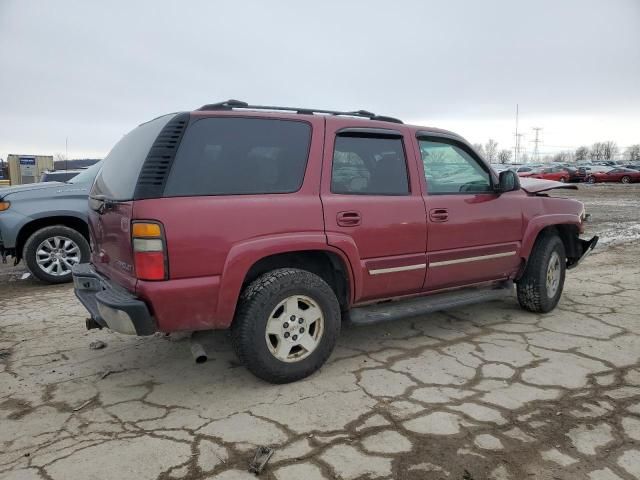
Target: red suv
{"type": "Point", "coordinates": [279, 223]}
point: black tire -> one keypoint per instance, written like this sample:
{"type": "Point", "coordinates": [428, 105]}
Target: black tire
{"type": "Point", "coordinates": [256, 304]}
{"type": "Point", "coordinates": [32, 243]}
{"type": "Point", "coordinates": [533, 294]}
{"type": "Point", "coordinates": [563, 179]}
{"type": "Point", "coordinates": [626, 179]}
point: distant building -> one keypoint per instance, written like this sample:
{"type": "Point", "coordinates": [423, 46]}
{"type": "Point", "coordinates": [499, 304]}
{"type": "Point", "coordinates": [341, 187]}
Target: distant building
{"type": "Point", "coordinates": [28, 168]}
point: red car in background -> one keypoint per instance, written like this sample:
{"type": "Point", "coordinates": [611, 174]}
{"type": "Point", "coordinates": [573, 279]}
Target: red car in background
{"type": "Point", "coordinates": [558, 174]}
{"type": "Point", "coordinates": [624, 175]}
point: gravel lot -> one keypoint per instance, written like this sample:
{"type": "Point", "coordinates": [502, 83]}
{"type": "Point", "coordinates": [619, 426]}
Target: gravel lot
{"type": "Point", "coordinates": [481, 392]}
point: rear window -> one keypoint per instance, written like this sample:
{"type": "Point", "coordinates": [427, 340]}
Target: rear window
{"type": "Point", "coordinates": [121, 167]}
{"type": "Point", "coordinates": [240, 156]}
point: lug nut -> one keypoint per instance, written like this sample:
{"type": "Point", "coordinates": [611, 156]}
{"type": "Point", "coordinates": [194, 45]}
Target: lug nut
{"type": "Point", "coordinates": [292, 318]}
{"type": "Point", "coordinates": [285, 325]}
{"type": "Point", "coordinates": [300, 320]}
{"type": "Point", "coordinates": [302, 330]}
{"type": "Point", "coordinates": [286, 334]}
{"type": "Point", "coordinates": [295, 337]}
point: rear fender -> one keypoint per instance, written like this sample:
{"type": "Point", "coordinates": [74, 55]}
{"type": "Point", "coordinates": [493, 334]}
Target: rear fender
{"type": "Point", "coordinates": [243, 256]}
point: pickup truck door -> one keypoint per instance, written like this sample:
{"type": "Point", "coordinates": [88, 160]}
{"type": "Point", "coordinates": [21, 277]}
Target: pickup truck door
{"type": "Point", "coordinates": [474, 233]}
{"type": "Point", "coordinates": [373, 206]}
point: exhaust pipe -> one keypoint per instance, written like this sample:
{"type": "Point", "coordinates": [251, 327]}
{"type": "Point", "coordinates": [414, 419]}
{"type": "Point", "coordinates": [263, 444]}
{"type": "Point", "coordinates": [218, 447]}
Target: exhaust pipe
{"type": "Point", "coordinates": [197, 350]}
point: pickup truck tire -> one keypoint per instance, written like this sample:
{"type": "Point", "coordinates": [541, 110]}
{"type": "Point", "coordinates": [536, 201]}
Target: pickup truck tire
{"type": "Point", "coordinates": [271, 310]}
{"type": "Point", "coordinates": [540, 287]}
{"type": "Point", "coordinates": [55, 244]}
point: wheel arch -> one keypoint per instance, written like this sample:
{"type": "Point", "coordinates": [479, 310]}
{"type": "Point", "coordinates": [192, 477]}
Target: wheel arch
{"type": "Point", "coordinates": [565, 226]}
{"type": "Point", "coordinates": [75, 223]}
{"type": "Point", "coordinates": [310, 252]}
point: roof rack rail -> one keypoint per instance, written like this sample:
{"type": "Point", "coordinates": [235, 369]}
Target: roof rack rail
{"type": "Point", "coordinates": [231, 104]}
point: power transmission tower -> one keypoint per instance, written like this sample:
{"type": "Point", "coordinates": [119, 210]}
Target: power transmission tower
{"type": "Point", "coordinates": [536, 144]}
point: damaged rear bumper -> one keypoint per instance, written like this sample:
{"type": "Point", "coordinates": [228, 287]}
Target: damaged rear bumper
{"type": "Point", "coordinates": [109, 305]}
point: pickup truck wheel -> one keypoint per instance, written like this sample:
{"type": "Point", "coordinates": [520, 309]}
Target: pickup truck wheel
{"type": "Point", "coordinates": [286, 326]}
{"type": "Point", "coordinates": [51, 252]}
{"type": "Point", "coordinates": [540, 287]}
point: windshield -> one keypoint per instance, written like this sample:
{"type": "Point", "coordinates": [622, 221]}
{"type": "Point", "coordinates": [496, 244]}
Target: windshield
{"type": "Point", "coordinates": [87, 175]}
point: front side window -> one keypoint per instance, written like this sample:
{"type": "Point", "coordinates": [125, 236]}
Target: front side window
{"type": "Point", "coordinates": [449, 168]}
{"type": "Point", "coordinates": [240, 156]}
{"type": "Point", "coordinates": [369, 165]}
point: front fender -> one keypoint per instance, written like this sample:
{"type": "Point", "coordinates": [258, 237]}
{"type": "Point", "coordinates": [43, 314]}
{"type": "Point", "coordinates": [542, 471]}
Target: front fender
{"type": "Point", "coordinates": [243, 256]}
{"type": "Point", "coordinates": [537, 224]}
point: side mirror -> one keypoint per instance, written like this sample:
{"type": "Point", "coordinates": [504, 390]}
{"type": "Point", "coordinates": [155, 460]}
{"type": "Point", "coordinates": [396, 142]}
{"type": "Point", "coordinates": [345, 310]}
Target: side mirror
{"type": "Point", "coordinates": [508, 181]}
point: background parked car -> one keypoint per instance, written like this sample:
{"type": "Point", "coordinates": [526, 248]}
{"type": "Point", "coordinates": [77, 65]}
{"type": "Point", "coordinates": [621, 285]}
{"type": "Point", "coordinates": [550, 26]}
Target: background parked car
{"type": "Point", "coordinates": [624, 175]}
{"type": "Point", "coordinates": [632, 166]}
{"type": "Point", "coordinates": [46, 225]}
{"type": "Point", "coordinates": [559, 174]}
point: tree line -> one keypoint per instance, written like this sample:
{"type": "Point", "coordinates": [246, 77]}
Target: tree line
{"type": "Point", "coordinates": [599, 151]}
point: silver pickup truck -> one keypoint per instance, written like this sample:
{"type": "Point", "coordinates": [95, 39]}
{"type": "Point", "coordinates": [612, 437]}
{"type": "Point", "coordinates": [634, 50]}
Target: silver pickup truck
{"type": "Point", "coordinates": [45, 224]}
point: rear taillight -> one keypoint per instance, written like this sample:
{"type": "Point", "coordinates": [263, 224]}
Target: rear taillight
{"type": "Point", "coordinates": [149, 253]}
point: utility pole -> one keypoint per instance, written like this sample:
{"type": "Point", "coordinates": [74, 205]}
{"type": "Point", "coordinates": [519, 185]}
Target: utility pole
{"type": "Point", "coordinates": [519, 143]}
{"type": "Point", "coordinates": [517, 147]}
{"type": "Point", "coordinates": [66, 155]}
{"type": "Point", "coordinates": [536, 144]}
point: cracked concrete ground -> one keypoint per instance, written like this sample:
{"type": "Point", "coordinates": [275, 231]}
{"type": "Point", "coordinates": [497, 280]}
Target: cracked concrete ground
{"type": "Point", "coordinates": [481, 392]}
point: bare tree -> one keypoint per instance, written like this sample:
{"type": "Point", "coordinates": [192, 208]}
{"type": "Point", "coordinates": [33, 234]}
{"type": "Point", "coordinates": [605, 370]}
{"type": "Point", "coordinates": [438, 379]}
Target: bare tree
{"type": "Point", "coordinates": [491, 150]}
{"type": "Point", "coordinates": [633, 152]}
{"type": "Point", "coordinates": [504, 156]}
{"type": "Point", "coordinates": [609, 150]}
{"type": "Point", "coordinates": [60, 157]}
{"type": "Point", "coordinates": [479, 148]}
{"type": "Point", "coordinates": [562, 157]}
{"type": "Point", "coordinates": [597, 151]}
{"type": "Point", "coordinates": [582, 153]}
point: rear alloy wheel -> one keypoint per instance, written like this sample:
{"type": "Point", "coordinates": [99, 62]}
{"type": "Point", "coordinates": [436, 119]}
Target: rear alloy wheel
{"type": "Point", "coordinates": [286, 325]}
{"type": "Point", "coordinates": [591, 180]}
{"type": "Point", "coordinates": [541, 285]}
{"type": "Point", "coordinates": [294, 329]}
{"type": "Point", "coordinates": [563, 179]}
{"type": "Point", "coordinates": [626, 179]}
{"type": "Point", "coordinates": [51, 252]}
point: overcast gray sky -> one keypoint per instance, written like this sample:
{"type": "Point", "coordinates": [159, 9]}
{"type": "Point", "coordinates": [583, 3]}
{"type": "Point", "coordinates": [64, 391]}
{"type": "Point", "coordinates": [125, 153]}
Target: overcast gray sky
{"type": "Point", "coordinates": [92, 70]}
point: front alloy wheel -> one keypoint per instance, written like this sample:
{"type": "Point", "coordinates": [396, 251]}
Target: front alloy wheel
{"type": "Point", "coordinates": [540, 287]}
{"type": "Point", "coordinates": [51, 252]}
{"type": "Point", "coordinates": [57, 255]}
{"type": "Point", "coordinates": [554, 272]}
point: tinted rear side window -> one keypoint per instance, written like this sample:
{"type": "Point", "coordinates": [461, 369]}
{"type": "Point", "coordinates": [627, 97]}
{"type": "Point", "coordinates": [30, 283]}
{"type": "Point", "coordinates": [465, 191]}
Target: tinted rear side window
{"type": "Point", "coordinates": [121, 167]}
{"type": "Point", "coordinates": [369, 166]}
{"type": "Point", "coordinates": [231, 156]}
